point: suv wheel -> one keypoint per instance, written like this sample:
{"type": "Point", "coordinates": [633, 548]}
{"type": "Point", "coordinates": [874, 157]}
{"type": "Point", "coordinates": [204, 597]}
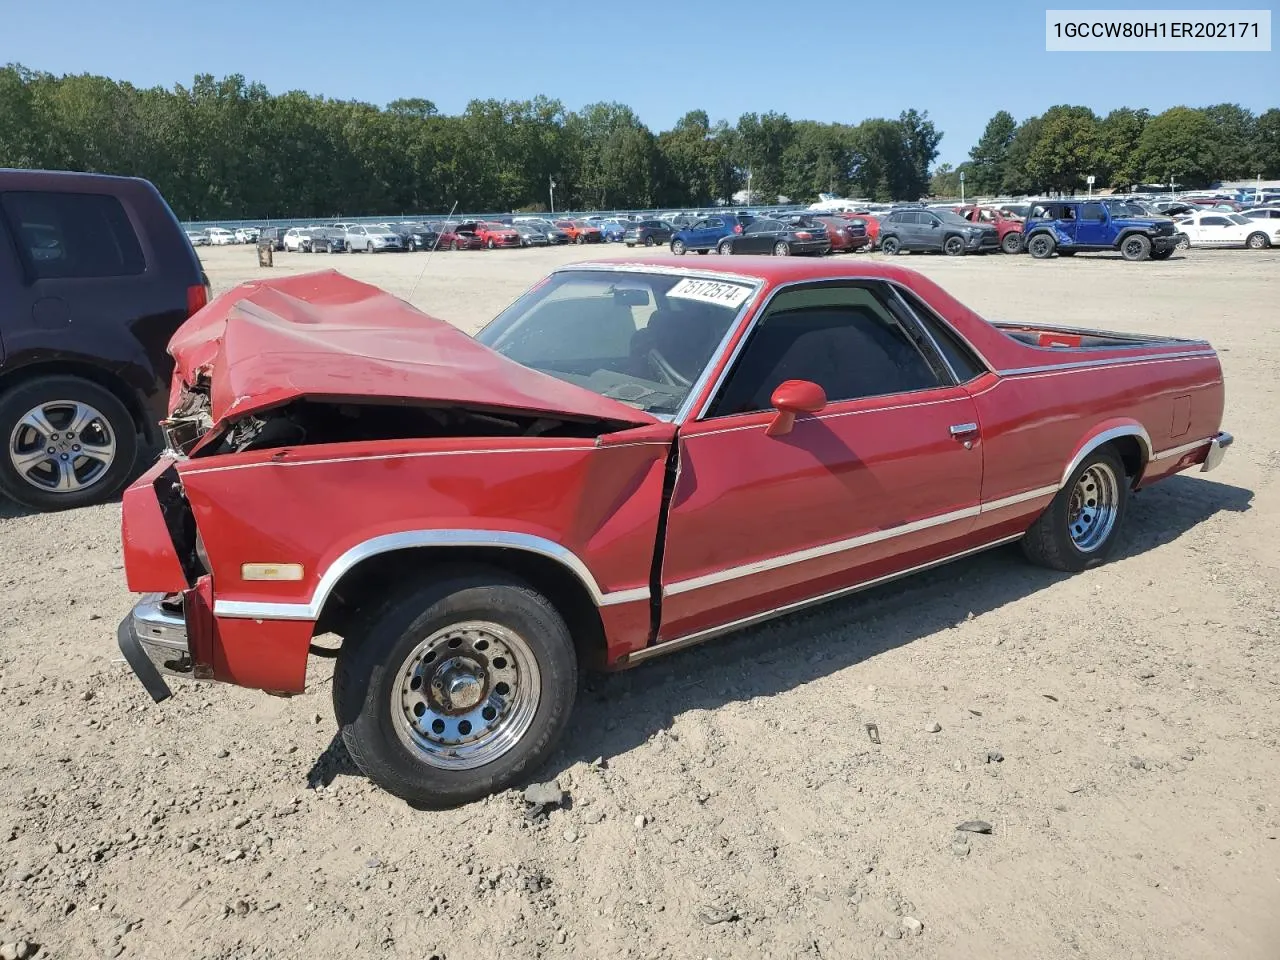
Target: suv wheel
{"type": "Point", "coordinates": [678, 248]}
{"type": "Point", "coordinates": [455, 688]}
{"type": "Point", "coordinates": [67, 443]}
{"type": "Point", "coordinates": [953, 246]}
{"type": "Point", "coordinates": [725, 248]}
{"type": "Point", "coordinates": [1041, 246]}
{"type": "Point", "coordinates": [1135, 247]}
{"type": "Point", "coordinates": [890, 246]}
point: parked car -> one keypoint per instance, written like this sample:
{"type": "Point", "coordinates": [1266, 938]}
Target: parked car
{"type": "Point", "coordinates": [95, 276]}
{"type": "Point", "coordinates": [579, 231]}
{"type": "Point", "coordinates": [1216, 203]}
{"type": "Point", "coordinates": [845, 235]}
{"type": "Point", "coordinates": [935, 231]}
{"type": "Point", "coordinates": [219, 237]}
{"type": "Point", "coordinates": [494, 235]}
{"type": "Point", "coordinates": [531, 234]}
{"type": "Point", "coordinates": [418, 236]}
{"type": "Point", "coordinates": [771, 451]}
{"type": "Point", "coordinates": [612, 231]}
{"type": "Point", "coordinates": [1070, 226]}
{"type": "Point", "coordinates": [1262, 213]}
{"type": "Point", "coordinates": [796, 236]}
{"type": "Point", "coordinates": [457, 236]}
{"type": "Point", "coordinates": [1222, 229]}
{"type": "Point", "coordinates": [298, 240]}
{"type": "Point", "coordinates": [372, 239]}
{"type": "Point", "coordinates": [648, 233]}
{"type": "Point", "coordinates": [247, 234]}
{"type": "Point", "coordinates": [198, 238]}
{"type": "Point", "coordinates": [871, 224]}
{"type": "Point", "coordinates": [705, 234]}
{"type": "Point", "coordinates": [273, 236]}
{"type": "Point", "coordinates": [328, 240]}
{"type": "Point", "coordinates": [1008, 227]}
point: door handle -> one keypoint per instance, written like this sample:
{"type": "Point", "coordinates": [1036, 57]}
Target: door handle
{"type": "Point", "coordinates": [962, 429]}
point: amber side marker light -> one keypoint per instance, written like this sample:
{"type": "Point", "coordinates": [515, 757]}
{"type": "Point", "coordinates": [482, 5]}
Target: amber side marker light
{"type": "Point", "coordinates": [271, 571]}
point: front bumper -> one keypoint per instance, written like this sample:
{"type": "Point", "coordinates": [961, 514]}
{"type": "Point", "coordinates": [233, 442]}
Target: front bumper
{"type": "Point", "coordinates": [984, 241]}
{"type": "Point", "coordinates": [153, 639]}
{"type": "Point", "coordinates": [1217, 450]}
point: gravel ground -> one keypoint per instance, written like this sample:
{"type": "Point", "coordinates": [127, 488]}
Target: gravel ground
{"type": "Point", "coordinates": [1117, 730]}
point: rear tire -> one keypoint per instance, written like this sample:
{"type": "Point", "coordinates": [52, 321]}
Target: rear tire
{"type": "Point", "coordinates": [1079, 529]}
{"type": "Point", "coordinates": [506, 652]}
{"type": "Point", "coordinates": [1258, 241]}
{"type": "Point", "coordinates": [1041, 246]}
{"type": "Point", "coordinates": [780, 249]}
{"type": "Point", "coordinates": [726, 248]}
{"type": "Point", "coordinates": [90, 466]}
{"type": "Point", "coordinates": [890, 246]}
{"type": "Point", "coordinates": [1012, 243]}
{"type": "Point", "coordinates": [1135, 248]}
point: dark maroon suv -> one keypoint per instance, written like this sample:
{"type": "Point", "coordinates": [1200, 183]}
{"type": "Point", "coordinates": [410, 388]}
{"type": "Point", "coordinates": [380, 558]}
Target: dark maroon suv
{"type": "Point", "coordinates": [95, 276]}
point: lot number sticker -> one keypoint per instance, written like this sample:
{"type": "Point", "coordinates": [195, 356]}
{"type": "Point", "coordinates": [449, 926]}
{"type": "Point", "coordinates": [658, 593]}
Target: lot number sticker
{"type": "Point", "coordinates": [711, 291]}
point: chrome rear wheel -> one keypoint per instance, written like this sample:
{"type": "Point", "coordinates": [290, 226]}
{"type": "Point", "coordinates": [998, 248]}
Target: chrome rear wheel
{"type": "Point", "coordinates": [1094, 506]}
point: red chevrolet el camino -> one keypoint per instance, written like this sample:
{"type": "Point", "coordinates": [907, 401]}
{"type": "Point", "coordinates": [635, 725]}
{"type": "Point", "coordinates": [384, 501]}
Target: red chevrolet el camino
{"type": "Point", "coordinates": [632, 458]}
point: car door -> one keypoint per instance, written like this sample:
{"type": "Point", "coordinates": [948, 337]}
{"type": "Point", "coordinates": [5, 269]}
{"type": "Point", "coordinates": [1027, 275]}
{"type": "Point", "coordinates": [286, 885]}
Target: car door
{"type": "Point", "coordinates": [930, 231]}
{"type": "Point", "coordinates": [886, 476]}
{"type": "Point", "coordinates": [1216, 231]}
{"type": "Point", "coordinates": [1091, 228]}
{"type": "Point", "coordinates": [707, 232]}
{"type": "Point", "coordinates": [757, 237]}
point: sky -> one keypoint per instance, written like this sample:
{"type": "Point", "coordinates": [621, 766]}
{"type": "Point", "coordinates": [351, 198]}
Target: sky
{"type": "Point", "coordinates": [835, 61]}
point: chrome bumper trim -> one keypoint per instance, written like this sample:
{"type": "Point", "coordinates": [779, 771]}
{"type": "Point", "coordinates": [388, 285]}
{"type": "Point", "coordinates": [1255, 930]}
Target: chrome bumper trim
{"type": "Point", "coordinates": [153, 639]}
{"type": "Point", "coordinates": [1217, 450]}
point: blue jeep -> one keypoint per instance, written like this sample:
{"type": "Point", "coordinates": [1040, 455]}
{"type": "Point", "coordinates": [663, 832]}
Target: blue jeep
{"type": "Point", "coordinates": [704, 234]}
{"type": "Point", "coordinates": [1070, 226]}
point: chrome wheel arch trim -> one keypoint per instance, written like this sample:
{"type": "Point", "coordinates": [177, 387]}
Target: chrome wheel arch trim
{"type": "Point", "coordinates": [410, 539]}
{"type": "Point", "coordinates": [1104, 437]}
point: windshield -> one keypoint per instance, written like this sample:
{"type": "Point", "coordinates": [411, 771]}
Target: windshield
{"type": "Point", "coordinates": [640, 338]}
{"type": "Point", "coordinates": [1121, 208]}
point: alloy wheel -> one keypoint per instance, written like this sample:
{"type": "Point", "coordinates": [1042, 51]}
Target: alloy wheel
{"type": "Point", "coordinates": [62, 446]}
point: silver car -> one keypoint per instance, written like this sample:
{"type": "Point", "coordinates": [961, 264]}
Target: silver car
{"type": "Point", "coordinates": [372, 239]}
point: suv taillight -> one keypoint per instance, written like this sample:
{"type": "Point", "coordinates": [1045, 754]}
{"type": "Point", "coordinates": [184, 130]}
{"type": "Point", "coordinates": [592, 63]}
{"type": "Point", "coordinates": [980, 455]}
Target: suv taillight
{"type": "Point", "coordinates": [197, 296]}
{"type": "Point", "coordinates": [737, 228]}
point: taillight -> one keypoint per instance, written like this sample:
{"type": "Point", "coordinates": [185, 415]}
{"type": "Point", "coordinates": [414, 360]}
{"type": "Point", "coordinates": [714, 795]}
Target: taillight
{"type": "Point", "coordinates": [197, 297]}
{"type": "Point", "coordinates": [803, 235]}
{"type": "Point", "coordinates": [737, 228]}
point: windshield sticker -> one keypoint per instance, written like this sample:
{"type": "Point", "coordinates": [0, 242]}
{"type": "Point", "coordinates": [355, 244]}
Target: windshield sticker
{"type": "Point", "coordinates": [711, 291]}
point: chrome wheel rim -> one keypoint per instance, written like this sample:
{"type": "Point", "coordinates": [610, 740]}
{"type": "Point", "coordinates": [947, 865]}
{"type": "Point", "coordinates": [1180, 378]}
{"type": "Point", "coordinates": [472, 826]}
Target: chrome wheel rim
{"type": "Point", "coordinates": [1091, 514]}
{"type": "Point", "coordinates": [62, 446]}
{"type": "Point", "coordinates": [780, 250]}
{"type": "Point", "coordinates": [466, 695]}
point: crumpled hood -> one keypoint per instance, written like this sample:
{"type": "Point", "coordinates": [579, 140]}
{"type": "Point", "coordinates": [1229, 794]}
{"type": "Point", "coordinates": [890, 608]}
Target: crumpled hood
{"type": "Point", "coordinates": [325, 336]}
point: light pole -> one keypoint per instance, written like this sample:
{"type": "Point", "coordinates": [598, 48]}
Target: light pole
{"type": "Point", "coordinates": [962, 187]}
{"type": "Point", "coordinates": [748, 186]}
{"type": "Point", "coordinates": [552, 183]}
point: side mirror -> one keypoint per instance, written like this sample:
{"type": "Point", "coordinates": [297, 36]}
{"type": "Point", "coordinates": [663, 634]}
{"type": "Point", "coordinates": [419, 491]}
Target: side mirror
{"type": "Point", "coordinates": [792, 397]}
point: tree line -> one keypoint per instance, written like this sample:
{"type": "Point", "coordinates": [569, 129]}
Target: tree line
{"type": "Point", "coordinates": [1061, 148]}
{"type": "Point", "coordinates": [229, 149]}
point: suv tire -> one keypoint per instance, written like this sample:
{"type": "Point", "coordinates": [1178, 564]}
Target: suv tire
{"type": "Point", "coordinates": [81, 422]}
{"type": "Point", "coordinates": [1041, 246]}
{"type": "Point", "coordinates": [1135, 247]}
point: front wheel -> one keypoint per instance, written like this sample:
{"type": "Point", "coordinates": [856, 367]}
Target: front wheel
{"type": "Point", "coordinates": [1135, 247]}
{"type": "Point", "coordinates": [1041, 246]}
{"type": "Point", "coordinates": [1012, 243]}
{"type": "Point", "coordinates": [455, 689]}
{"type": "Point", "coordinates": [725, 248]}
{"type": "Point", "coordinates": [1080, 527]}
{"type": "Point", "coordinates": [490, 244]}
{"type": "Point", "coordinates": [455, 245]}
{"type": "Point", "coordinates": [678, 248]}
{"type": "Point", "coordinates": [68, 443]}
{"type": "Point", "coordinates": [953, 246]}
{"type": "Point", "coordinates": [1184, 242]}
{"type": "Point", "coordinates": [1258, 241]}
{"type": "Point", "coordinates": [780, 249]}
{"type": "Point", "coordinates": [890, 246]}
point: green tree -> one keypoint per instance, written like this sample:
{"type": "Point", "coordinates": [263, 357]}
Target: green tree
{"type": "Point", "coordinates": [1067, 149]}
{"type": "Point", "coordinates": [1120, 133]}
{"type": "Point", "coordinates": [920, 139]}
{"type": "Point", "coordinates": [1234, 130]}
{"type": "Point", "coordinates": [1179, 145]}
{"type": "Point", "coordinates": [1266, 144]}
{"type": "Point", "coordinates": [990, 154]}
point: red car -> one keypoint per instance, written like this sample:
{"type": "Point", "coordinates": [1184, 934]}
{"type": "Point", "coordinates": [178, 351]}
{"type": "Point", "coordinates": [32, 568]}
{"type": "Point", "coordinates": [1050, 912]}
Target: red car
{"type": "Point", "coordinates": [497, 235]}
{"type": "Point", "coordinates": [580, 231]}
{"type": "Point", "coordinates": [870, 223]}
{"type": "Point", "coordinates": [632, 458]}
{"type": "Point", "coordinates": [457, 236]}
{"type": "Point", "coordinates": [845, 235]}
{"type": "Point", "coordinates": [1008, 227]}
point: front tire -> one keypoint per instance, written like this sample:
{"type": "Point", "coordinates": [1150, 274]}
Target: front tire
{"type": "Point", "coordinates": [68, 443]}
{"type": "Point", "coordinates": [1079, 529]}
{"type": "Point", "coordinates": [1258, 241]}
{"type": "Point", "coordinates": [1135, 248]}
{"type": "Point", "coordinates": [490, 244]}
{"type": "Point", "coordinates": [726, 248]}
{"type": "Point", "coordinates": [455, 689]}
{"type": "Point", "coordinates": [678, 248]}
{"type": "Point", "coordinates": [1041, 246]}
{"type": "Point", "coordinates": [1184, 242]}
{"type": "Point", "coordinates": [953, 246]}
{"type": "Point", "coordinates": [890, 246]}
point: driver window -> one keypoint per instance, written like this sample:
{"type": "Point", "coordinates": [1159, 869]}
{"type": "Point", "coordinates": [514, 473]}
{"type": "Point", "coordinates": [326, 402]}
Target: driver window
{"type": "Point", "coordinates": [843, 337]}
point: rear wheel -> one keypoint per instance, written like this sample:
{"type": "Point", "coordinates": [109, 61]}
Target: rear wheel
{"type": "Point", "coordinates": [456, 688]}
{"type": "Point", "coordinates": [648, 241]}
{"type": "Point", "coordinates": [1041, 246]}
{"type": "Point", "coordinates": [890, 246]}
{"type": "Point", "coordinates": [1258, 241]}
{"type": "Point", "coordinates": [1135, 247]}
{"type": "Point", "coordinates": [491, 244]}
{"type": "Point", "coordinates": [1079, 528]}
{"type": "Point", "coordinates": [953, 246]}
{"type": "Point", "coordinates": [1012, 242]}
{"type": "Point", "coordinates": [455, 245]}
{"type": "Point", "coordinates": [68, 443]}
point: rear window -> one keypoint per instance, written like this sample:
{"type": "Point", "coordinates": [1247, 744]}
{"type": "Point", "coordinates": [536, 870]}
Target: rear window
{"type": "Point", "coordinates": [62, 235]}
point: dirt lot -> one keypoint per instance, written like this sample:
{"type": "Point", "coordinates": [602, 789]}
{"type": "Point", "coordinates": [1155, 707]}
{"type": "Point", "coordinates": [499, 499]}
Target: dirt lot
{"type": "Point", "coordinates": [1134, 813]}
